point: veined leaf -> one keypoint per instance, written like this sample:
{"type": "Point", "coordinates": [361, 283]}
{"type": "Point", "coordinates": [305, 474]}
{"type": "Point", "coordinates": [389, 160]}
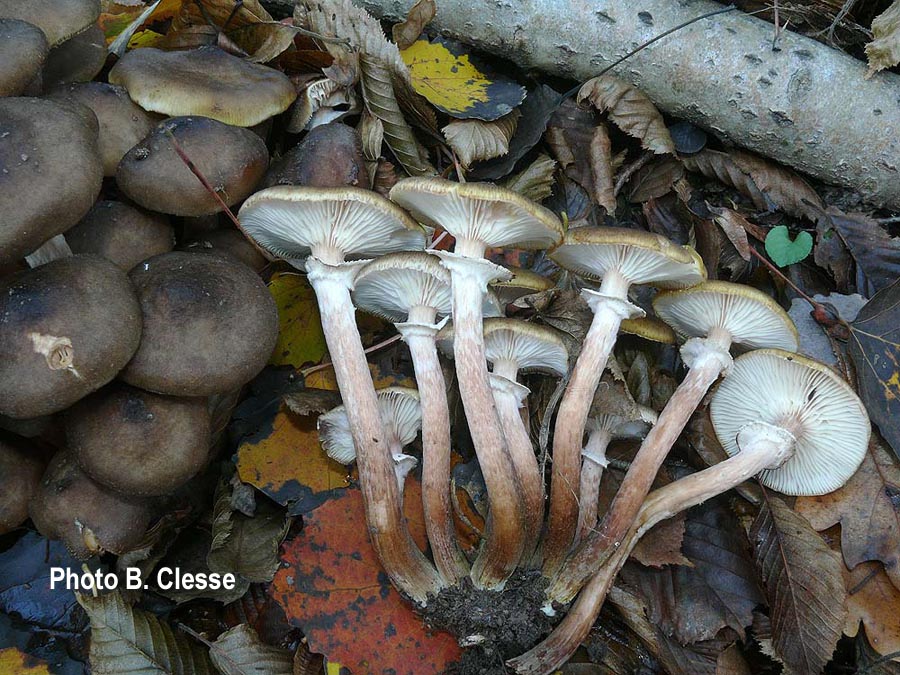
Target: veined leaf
{"type": "Point", "coordinates": [239, 651]}
{"type": "Point", "coordinates": [884, 50]}
{"type": "Point", "coordinates": [474, 140]}
{"type": "Point", "coordinates": [535, 181]}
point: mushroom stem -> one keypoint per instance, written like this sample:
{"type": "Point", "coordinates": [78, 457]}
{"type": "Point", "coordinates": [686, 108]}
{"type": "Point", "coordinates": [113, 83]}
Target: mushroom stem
{"type": "Point", "coordinates": [505, 532]}
{"type": "Point", "coordinates": [610, 307]}
{"type": "Point", "coordinates": [406, 566]}
{"type": "Point", "coordinates": [707, 358]}
{"type": "Point", "coordinates": [436, 444]}
{"type": "Point", "coordinates": [593, 463]}
{"type": "Point", "coordinates": [763, 446]}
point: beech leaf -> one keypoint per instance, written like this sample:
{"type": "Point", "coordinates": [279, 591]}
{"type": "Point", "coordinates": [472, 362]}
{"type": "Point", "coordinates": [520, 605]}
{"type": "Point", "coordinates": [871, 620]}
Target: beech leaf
{"type": "Point", "coordinates": [602, 170]}
{"type": "Point", "coordinates": [128, 640]}
{"type": "Point", "coordinates": [474, 140]}
{"type": "Point", "coordinates": [419, 16]}
{"type": "Point", "coordinates": [654, 180]}
{"type": "Point", "coordinates": [876, 253]}
{"type": "Point", "coordinates": [884, 51]}
{"type": "Point", "coordinates": [535, 181]}
{"type": "Point", "coordinates": [239, 651]}
{"type": "Point", "coordinates": [803, 582]}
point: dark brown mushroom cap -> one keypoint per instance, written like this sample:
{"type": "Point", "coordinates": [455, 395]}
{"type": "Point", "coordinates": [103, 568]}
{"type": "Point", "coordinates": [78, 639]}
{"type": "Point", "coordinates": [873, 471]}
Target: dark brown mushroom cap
{"type": "Point", "coordinates": [210, 325]}
{"type": "Point", "coordinates": [66, 328]}
{"type": "Point", "coordinates": [232, 159]}
{"type": "Point", "coordinates": [58, 19]}
{"type": "Point", "coordinates": [20, 472]}
{"type": "Point", "coordinates": [122, 124]}
{"type": "Point", "coordinates": [135, 442]}
{"type": "Point", "coordinates": [206, 81]}
{"type": "Point", "coordinates": [23, 49]}
{"type": "Point", "coordinates": [121, 233]}
{"type": "Point", "coordinates": [51, 172]}
{"type": "Point", "coordinates": [78, 59]}
{"type": "Point", "coordinates": [86, 517]}
{"type": "Point", "coordinates": [230, 243]}
{"type": "Point", "coordinates": [329, 156]}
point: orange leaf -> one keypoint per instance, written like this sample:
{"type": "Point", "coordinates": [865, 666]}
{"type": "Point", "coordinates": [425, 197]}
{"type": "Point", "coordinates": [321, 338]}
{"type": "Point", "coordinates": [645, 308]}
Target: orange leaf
{"type": "Point", "coordinates": [333, 587]}
{"type": "Point", "coordinates": [14, 662]}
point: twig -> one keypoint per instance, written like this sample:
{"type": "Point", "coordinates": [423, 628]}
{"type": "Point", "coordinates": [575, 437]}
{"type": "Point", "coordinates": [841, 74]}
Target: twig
{"type": "Point", "coordinates": [888, 221]}
{"type": "Point", "coordinates": [323, 366]}
{"type": "Point", "coordinates": [194, 634]}
{"type": "Point", "coordinates": [628, 171]}
{"type": "Point", "coordinates": [777, 272]}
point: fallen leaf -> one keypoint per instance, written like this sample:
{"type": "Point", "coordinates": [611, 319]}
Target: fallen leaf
{"type": "Point", "coordinates": [802, 580]}
{"type": "Point", "coordinates": [630, 110]}
{"type": "Point", "coordinates": [300, 337]}
{"type": "Point", "coordinates": [444, 74]}
{"type": "Point", "coordinates": [474, 140]}
{"type": "Point", "coordinates": [654, 180]}
{"type": "Point", "coordinates": [602, 170]}
{"type": "Point", "coordinates": [662, 544]}
{"type": "Point", "coordinates": [332, 586]}
{"type": "Point", "coordinates": [874, 347]}
{"type": "Point", "coordinates": [418, 16]}
{"type": "Point", "coordinates": [868, 510]}
{"type": "Point", "coordinates": [535, 181]}
{"type": "Point", "coordinates": [220, 11]}
{"type": "Point", "coordinates": [568, 133]}
{"type": "Point", "coordinates": [188, 552]}
{"type": "Point", "coordinates": [239, 651]}
{"type": "Point", "coordinates": [735, 227]}
{"type": "Point", "coordinates": [14, 662]}
{"type": "Point", "coordinates": [884, 50]}
{"type": "Point", "coordinates": [876, 253]}
{"type": "Point", "coordinates": [875, 602]}
{"type": "Point", "coordinates": [128, 640]}
{"type": "Point", "coordinates": [785, 251]}
{"type": "Point", "coordinates": [312, 401]}
{"type": "Point", "coordinates": [263, 41]}
{"type": "Point", "coordinates": [870, 662]}
{"type": "Point", "coordinates": [371, 132]}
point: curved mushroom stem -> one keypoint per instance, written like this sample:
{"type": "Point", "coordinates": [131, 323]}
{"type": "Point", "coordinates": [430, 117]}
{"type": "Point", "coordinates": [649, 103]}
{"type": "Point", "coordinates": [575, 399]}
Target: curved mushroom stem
{"type": "Point", "coordinates": [707, 358]}
{"type": "Point", "coordinates": [505, 532]}
{"type": "Point", "coordinates": [510, 396]}
{"type": "Point", "coordinates": [610, 307]}
{"type": "Point", "coordinates": [763, 446]}
{"type": "Point", "coordinates": [593, 463]}
{"type": "Point", "coordinates": [409, 570]}
{"type": "Point", "coordinates": [419, 334]}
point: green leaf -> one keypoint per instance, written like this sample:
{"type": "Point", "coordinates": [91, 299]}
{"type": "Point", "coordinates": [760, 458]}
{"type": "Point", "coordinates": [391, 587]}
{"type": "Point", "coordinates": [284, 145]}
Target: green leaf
{"type": "Point", "coordinates": [783, 251]}
{"type": "Point", "coordinates": [127, 640]}
{"type": "Point", "coordinates": [239, 651]}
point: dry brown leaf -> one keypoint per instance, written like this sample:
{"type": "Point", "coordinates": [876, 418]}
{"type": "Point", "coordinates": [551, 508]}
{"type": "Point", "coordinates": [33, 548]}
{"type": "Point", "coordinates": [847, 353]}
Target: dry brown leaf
{"type": "Point", "coordinates": [884, 51]}
{"type": "Point", "coordinates": [719, 165]}
{"type": "Point", "coordinates": [474, 140]}
{"type": "Point", "coordinates": [371, 131]}
{"type": "Point", "coordinates": [602, 170]}
{"type": "Point", "coordinates": [654, 180]}
{"type": "Point", "coordinates": [661, 546]}
{"type": "Point", "coordinates": [630, 110]}
{"type": "Point", "coordinates": [419, 16]}
{"type": "Point", "coordinates": [873, 600]}
{"type": "Point", "coordinates": [735, 227]}
{"type": "Point", "coordinates": [535, 181]}
{"type": "Point", "coordinates": [568, 134]}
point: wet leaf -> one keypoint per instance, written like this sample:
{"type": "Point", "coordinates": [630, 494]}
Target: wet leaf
{"type": "Point", "coordinates": [630, 110]}
{"type": "Point", "coordinates": [807, 601]}
{"type": "Point", "coordinates": [474, 140]}
{"type": "Point", "coordinates": [447, 76]}
{"type": "Point", "coordinates": [300, 337]}
{"type": "Point", "coordinates": [602, 169]}
{"type": "Point", "coordinates": [535, 181]}
{"type": "Point", "coordinates": [884, 50]}
{"type": "Point", "coordinates": [874, 347]}
{"type": "Point", "coordinates": [419, 16]}
{"type": "Point", "coordinates": [333, 588]}
{"type": "Point", "coordinates": [873, 601]}
{"type": "Point", "coordinates": [785, 251]}
{"type": "Point", "coordinates": [239, 651]}
{"type": "Point", "coordinates": [14, 662]}
{"type": "Point", "coordinates": [128, 640]}
{"type": "Point", "coordinates": [876, 253]}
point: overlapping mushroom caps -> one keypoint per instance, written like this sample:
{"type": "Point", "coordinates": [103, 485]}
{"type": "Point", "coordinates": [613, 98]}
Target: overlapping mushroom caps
{"type": "Point", "coordinates": [786, 418]}
{"type": "Point", "coordinates": [481, 216]}
{"type": "Point", "coordinates": [318, 229]}
{"type": "Point", "coordinates": [619, 258]}
{"type": "Point", "coordinates": [23, 49]}
{"type": "Point", "coordinates": [58, 19]}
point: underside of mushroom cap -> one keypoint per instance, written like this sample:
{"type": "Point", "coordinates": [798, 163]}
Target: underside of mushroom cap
{"type": "Point", "coordinates": [395, 283]}
{"type": "Point", "coordinates": [293, 222]}
{"type": "Point", "coordinates": [534, 348]}
{"type": "Point", "coordinates": [480, 212]}
{"type": "Point", "coordinates": [752, 318]}
{"type": "Point", "coordinates": [640, 257]}
{"type": "Point", "coordinates": [808, 400]}
{"type": "Point", "coordinates": [206, 81]}
{"type": "Point", "coordinates": [58, 19]}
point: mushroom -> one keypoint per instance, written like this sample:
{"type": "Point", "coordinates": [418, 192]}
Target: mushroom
{"type": "Point", "coordinates": [713, 315]}
{"type": "Point", "coordinates": [23, 49]}
{"type": "Point", "coordinates": [788, 419]}
{"type": "Point", "coordinates": [122, 124]}
{"type": "Point", "coordinates": [78, 59]}
{"type": "Point", "coordinates": [330, 155]}
{"type": "Point", "coordinates": [58, 19]}
{"type": "Point", "coordinates": [620, 258]}
{"type": "Point", "coordinates": [412, 290]}
{"type": "Point", "coordinates": [317, 229]}
{"type": "Point", "coordinates": [521, 283]}
{"type": "Point", "coordinates": [66, 328]}
{"type": "Point", "coordinates": [21, 468]}
{"type": "Point", "coordinates": [86, 517]}
{"type": "Point", "coordinates": [401, 416]}
{"type": "Point", "coordinates": [232, 159]}
{"type": "Point", "coordinates": [138, 443]}
{"type": "Point", "coordinates": [480, 216]}
{"type": "Point", "coordinates": [231, 243]}
{"type": "Point", "coordinates": [121, 233]}
{"type": "Point", "coordinates": [51, 172]}
{"type": "Point", "coordinates": [210, 325]}
{"type": "Point", "coordinates": [206, 82]}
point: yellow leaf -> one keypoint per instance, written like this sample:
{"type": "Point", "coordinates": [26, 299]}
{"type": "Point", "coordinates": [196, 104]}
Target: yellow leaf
{"type": "Point", "coordinates": [145, 38]}
{"type": "Point", "coordinates": [300, 337]}
{"type": "Point", "coordinates": [14, 662]}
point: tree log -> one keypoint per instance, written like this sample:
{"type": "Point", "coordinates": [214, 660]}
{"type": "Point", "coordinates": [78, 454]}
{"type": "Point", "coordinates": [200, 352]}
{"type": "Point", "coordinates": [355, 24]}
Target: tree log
{"type": "Point", "coordinates": [803, 104]}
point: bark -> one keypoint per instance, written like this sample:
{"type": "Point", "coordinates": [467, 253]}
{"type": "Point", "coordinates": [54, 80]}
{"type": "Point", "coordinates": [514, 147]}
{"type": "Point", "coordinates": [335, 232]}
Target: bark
{"type": "Point", "coordinates": [805, 105]}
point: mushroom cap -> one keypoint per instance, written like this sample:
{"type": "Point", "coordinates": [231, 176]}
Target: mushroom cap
{"type": "Point", "coordinates": [122, 124]}
{"type": "Point", "coordinates": [136, 442]}
{"type": "Point", "coordinates": [121, 233]}
{"type": "Point", "coordinates": [401, 415]}
{"type": "Point", "coordinates": [230, 243]}
{"type": "Point", "coordinates": [753, 318]}
{"type": "Point", "coordinates": [535, 348]}
{"type": "Point", "coordinates": [51, 172]}
{"type": "Point", "coordinates": [78, 59]}
{"type": "Point", "coordinates": [481, 212]}
{"type": "Point", "coordinates": [85, 516]}
{"type": "Point", "coordinates": [232, 159]}
{"type": "Point", "coordinates": [649, 328]}
{"type": "Point", "coordinates": [641, 257]}
{"type": "Point", "coordinates": [66, 328]}
{"type": "Point", "coordinates": [210, 325]}
{"type": "Point", "coordinates": [290, 221]}
{"type": "Point", "coordinates": [330, 155]}
{"type": "Point", "coordinates": [58, 19]}
{"type": "Point", "coordinates": [811, 401]}
{"type": "Point", "coordinates": [393, 284]}
{"type": "Point", "coordinates": [523, 282]}
{"type": "Point", "coordinates": [23, 49]}
{"type": "Point", "coordinates": [207, 82]}
{"type": "Point", "coordinates": [20, 472]}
